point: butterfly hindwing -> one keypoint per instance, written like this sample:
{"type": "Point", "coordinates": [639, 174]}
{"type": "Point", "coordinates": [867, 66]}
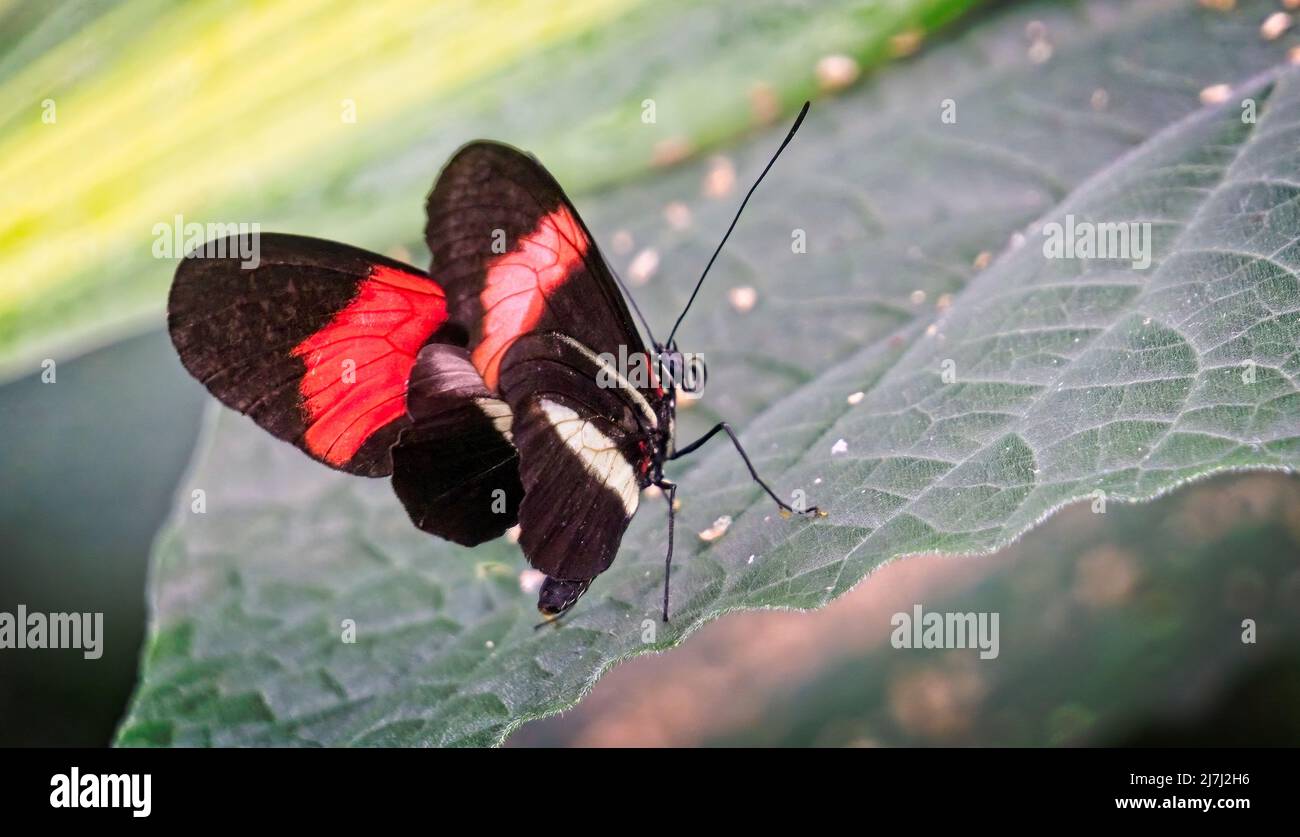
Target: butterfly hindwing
{"type": "Point", "coordinates": [455, 469]}
{"type": "Point", "coordinates": [583, 454]}
{"type": "Point", "coordinates": [315, 342]}
{"type": "Point", "coordinates": [515, 257]}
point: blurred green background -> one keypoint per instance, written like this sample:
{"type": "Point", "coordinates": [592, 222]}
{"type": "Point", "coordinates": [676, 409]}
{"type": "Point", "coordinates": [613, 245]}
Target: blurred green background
{"type": "Point", "coordinates": [331, 118]}
{"type": "Point", "coordinates": [1117, 629]}
{"type": "Point", "coordinates": [116, 116]}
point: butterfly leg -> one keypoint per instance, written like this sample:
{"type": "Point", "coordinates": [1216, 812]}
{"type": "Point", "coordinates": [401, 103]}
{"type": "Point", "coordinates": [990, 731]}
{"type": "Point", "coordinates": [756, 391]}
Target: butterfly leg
{"type": "Point", "coordinates": [670, 492]}
{"type": "Point", "coordinates": [786, 508]}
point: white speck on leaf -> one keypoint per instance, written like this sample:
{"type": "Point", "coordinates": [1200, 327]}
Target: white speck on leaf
{"type": "Point", "coordinates": [643, 266]}
{"type": "Point", "coordinates": [1215, 94]}
{"type": "Point", "coordinates": [622, 243]}
{"type": "Point", "coordinates": [678, 215]}
{"type": "Point", "coordinates": [530, 580]}
{"type": "Point", "coordinates": [721, 178]}
{"type": "Point", "coordinates": [717, 530]}
{"type": "Point", "coordinates": [1274, 25]}
{"type": "Point", "coordinates": [835, 72]}
{"type": "Point", "coordinates": [742, 298]}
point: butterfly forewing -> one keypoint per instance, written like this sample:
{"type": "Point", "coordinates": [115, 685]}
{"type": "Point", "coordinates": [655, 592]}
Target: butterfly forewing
{"type": "Point", "coordinates": [515, 257]}
{"type": "Point", "coordinates": [315, 342]}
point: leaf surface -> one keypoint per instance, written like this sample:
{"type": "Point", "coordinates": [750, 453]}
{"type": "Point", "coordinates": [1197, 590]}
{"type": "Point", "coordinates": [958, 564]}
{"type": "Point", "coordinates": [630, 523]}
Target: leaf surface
{"type": "Point", "coordinates": [1070, 377]}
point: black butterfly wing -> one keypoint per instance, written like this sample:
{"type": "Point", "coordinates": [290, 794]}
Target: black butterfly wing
{"type": "Point", "coordinates": [316, 342]}
{"type": "Point", "coordinates": [584, 455]}
{"type": "Point", "coordinates": [455, 468]}
{"type": "Point", "coordinates": [515, 257]}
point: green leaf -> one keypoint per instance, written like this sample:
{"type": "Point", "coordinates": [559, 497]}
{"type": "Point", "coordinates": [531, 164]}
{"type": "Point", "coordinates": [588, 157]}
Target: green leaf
{"type": "Point", "coordinates": [1072, 377]}
{"type": "Point", "coordinates": [330, 119]}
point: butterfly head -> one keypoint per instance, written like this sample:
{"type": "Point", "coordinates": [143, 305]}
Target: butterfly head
{"type": "Point", "coordinates": [557, 596]}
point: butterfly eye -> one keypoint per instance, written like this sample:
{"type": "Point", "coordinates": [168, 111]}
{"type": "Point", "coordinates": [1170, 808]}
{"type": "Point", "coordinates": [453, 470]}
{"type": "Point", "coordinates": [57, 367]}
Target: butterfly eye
{"type": "Point", "coordinates": [672, 369]}
{"type": "Point", "coordinates": [693, 374]}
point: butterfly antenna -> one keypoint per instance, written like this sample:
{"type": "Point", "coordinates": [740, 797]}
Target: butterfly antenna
{"type": "Point", "coordinates": [636, 309]}
{"type": "Point", "coordinates": [784, 143]}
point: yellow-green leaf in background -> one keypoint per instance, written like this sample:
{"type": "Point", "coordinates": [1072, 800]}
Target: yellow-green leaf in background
{"type": "Point", "coordinates": [332, 118]}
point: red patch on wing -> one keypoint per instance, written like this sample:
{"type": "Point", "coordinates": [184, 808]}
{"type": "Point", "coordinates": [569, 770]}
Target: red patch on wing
{"type": "Point", "coordinates": [517, 284]}
{"type": "Point", "coordinates": [380, 332]}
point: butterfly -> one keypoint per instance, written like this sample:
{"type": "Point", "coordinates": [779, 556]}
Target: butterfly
{"type": "Point", "coordinates": [486, 388]}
